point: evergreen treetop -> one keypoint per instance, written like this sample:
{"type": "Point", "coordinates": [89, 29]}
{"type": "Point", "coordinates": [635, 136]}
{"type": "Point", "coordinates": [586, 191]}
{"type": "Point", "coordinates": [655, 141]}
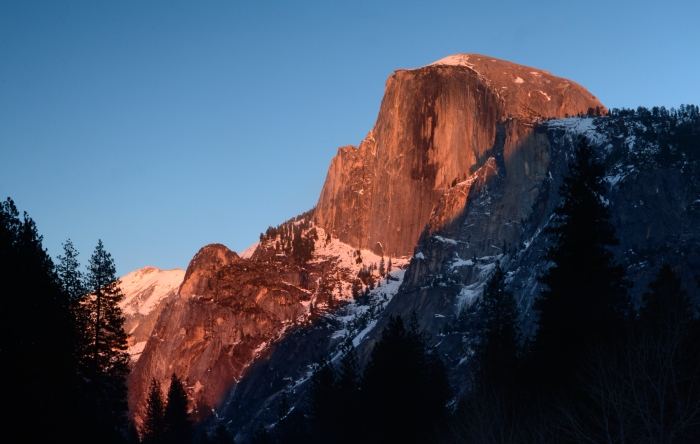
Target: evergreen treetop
{"type": "Point", "coordinates": [153, 430]}
{"type": "Point", "coordinates": [585, 292]}
{"type": "Point", "coordinates": [178, 426]}
{"type": "Point", "coordinates": [499, 348]}
{"type": "Point", "coordinates": [665, 305]}
{"type": "Point", "coordinates": [68, 269]}
{"type": "Point", "coordinates": [36, 338]}
{"type": "Point", "coordinates": [102, 356]}
{"type": "Point", "coordinates": [404, 386]}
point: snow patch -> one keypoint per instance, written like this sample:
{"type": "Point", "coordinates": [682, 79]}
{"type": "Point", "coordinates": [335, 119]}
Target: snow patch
{"type": "Point", "coordinates": [136, 350]}
{"type": "Point", "coordinates": [143, 289]}
{"type": "Point", "coordinates": [445, 240]}
{"type": "Point", "coordinates": [454, 60]}
{"type": "Point", "coordinates": [248, 252]}
{"type": "Point", "coordinates": [457, 262]}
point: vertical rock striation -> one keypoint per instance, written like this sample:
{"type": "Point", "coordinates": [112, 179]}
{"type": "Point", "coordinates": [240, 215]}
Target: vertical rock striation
{"type": "Point", "coordinates": [438, 124]}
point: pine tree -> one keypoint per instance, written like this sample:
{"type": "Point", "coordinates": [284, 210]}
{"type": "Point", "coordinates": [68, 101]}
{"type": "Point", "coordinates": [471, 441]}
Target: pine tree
{"type": "Point", "coordinates": [103, 360]}
{"type": "Point", "coordinates": [497, 354]}
{"type": "Point", "coordinates": [153, 431]}
{"type": "Point", "coordinates": [404, 387]}
{"type": "Point", "coordinates": [291, 427]}
{"type": "Point", "coordinates": [584, 294]}
{"type": "Point", "coordinates": [382, 268]}
{"type": "Point", "coordinates": [69, 273]}
{"type": "Point", "coordinates": [178, 426]}
{"type": "Point", "coordinates": [36, 338]}
{"type": "Point", "coordinates": [666, 362]}
{"type": "Point", "coordinates": [346, 403]}
{"type": "Point", "coordinates": [665, 305]}
{"type": "Point", "coordinates": [322, 399]}
{"type": "Point", "coordinates": [349, 375]}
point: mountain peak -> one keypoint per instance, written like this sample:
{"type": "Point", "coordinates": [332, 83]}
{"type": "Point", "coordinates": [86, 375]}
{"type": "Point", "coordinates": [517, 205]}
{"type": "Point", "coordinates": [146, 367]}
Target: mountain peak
{"type": "Point", "coordinates": [437, 125]}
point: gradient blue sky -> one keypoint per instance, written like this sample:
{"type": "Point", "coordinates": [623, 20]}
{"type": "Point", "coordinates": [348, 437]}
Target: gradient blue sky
{"type": "Point", "coordinates": [160, 127]}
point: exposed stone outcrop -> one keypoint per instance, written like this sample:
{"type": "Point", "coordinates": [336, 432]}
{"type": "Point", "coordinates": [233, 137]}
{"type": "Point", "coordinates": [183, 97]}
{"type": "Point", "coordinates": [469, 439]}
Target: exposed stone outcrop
{"type": "Point", "coordinates": [229, 310]}
{"type": "Point", "coordinates": [438, 124]}
{"type": "Point", "coordinates": [226, 308]}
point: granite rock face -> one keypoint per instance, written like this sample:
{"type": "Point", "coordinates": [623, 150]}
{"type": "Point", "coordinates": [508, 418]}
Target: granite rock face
{"type": "Point", "coordinates": [438, 124]}
{"type": "Point", "coordinates": [225, 309]}
{"type": "Point", "coordinates": [230, 311]}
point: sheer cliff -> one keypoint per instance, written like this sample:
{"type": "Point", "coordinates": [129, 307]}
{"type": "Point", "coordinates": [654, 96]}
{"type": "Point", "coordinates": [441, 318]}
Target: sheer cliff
{"type": "Point", "coordinates": [436, 125]}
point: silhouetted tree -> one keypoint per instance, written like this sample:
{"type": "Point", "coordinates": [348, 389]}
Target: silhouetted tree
{"type": "Point", "coordinates": [103, 360]}
{"type": "Point", "coordinates": [153, 430]}
{"type": "Point", "coordinates": [348, 396]}
{"type": "Point", "coordinates": [68, 268]}
{"type": "Point", "coordinates": [178, 426]}
{"type": "Point", "coordinates": [291, 426]}
{"type": "Point", "coordinates": [584, 297]}
{"type": "Point", "coordinates": [132, 434]}
{"type": "Point", "coordinates": [645, 387]}
{"type": "Point", "coordinates": [665, 304]}
{"type": "Point", "coordinates": [404, 387]}
{"type": "Point", "coordinates": [36, 338]}
{"type": "Point", "coordinates": [497, 353]}
{"type": "Point", "coordinates": [322, 403]}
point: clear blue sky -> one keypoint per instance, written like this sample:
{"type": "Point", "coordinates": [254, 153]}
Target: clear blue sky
{"type": "Point", "coordinates": [160, 127]}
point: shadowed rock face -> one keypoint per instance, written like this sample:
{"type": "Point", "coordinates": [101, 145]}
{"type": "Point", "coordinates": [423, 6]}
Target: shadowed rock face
{"type": "Point", "coordinates": [436, 124]}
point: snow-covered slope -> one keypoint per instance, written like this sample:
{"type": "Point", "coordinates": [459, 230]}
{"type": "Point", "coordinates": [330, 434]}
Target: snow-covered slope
{"type": "Point", "coordinates": [146, 291]}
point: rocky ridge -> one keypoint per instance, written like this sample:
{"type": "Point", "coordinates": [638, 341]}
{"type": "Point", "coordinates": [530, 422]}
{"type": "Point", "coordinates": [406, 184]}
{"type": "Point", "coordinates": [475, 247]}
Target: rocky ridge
{"type": "Point", "coordinates": [230, 311]}
{"type": "Point", "coordinates": [457, 178]}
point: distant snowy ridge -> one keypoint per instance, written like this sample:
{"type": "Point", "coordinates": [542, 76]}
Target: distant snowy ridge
{"type": "Point", "coordinates": [144, 288]}
{"type": "Point", "coordinates": [145, 293]}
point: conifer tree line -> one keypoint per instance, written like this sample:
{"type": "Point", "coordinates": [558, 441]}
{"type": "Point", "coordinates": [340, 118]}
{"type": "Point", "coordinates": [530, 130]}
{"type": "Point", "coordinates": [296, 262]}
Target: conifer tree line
{"type": "Point", "coordinates": [295, 237]}
{"type": "Point", "coordinates": [62, 345]}
{"type": "Point", "coordinates": [598, 369]}
{"type": "Point", "coordinates": [400, 396]}
{"type": "Point", "coordinates": [167, 420]}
